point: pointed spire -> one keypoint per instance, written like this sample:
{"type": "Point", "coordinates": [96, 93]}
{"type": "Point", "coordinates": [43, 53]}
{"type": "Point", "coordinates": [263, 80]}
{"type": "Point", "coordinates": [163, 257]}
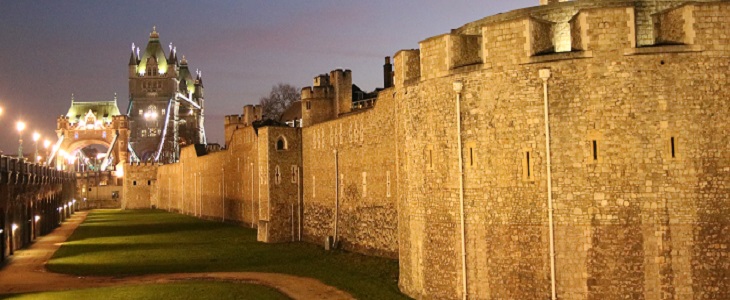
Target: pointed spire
{"type": "Point", "coordinates": [115, 97]}
{"type": "Point", "coordinates": [154, 35]}
{"type": "Point", "coordinates": [184, 61]}
{"type": "Point", "coordinates": [132, 57]}
{"type": "Point", "coordinates": [72, 98]}
{"type": "Point", "coordinates": [137, 54]}
{"type": "Point", "coordinates": [174, 52]}
{"type": "Point", "coordinates": [172, 59]}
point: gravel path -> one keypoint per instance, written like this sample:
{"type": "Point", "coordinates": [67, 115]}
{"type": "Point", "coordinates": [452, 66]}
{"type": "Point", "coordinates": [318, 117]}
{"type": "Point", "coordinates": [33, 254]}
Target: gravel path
{"type": "Point", "coordinates": [25, 272]}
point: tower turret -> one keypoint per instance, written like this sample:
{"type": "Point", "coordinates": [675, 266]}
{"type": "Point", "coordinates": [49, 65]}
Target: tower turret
{"type": "Point", "coordinates": [198, 94]}
{"type": "Point", "coordinates": [133, 61]}
{"type": "Point", "coordinates": [184, 76]}
{"type": "Point", "coordinates": [172, 59]}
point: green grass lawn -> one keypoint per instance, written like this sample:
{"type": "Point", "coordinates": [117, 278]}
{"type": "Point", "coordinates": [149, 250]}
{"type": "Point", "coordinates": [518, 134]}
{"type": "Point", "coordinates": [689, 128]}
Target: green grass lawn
{"type": "Point", "coordinates": [183, 290]}
{"type": "Point", "coordinates": [113, 242]}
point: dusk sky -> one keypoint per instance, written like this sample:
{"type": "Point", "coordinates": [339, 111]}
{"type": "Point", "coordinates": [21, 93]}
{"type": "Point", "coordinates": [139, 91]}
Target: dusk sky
{"type": "Point", "coordinates": [51, 49]}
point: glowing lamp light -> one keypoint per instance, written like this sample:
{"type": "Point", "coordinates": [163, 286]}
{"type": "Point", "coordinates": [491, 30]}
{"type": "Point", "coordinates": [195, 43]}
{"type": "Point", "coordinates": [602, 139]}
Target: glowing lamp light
{"type": "Point", "coordinates": [119, 173]}
{"type": "Point", "coordinates": [46, 144]}
{"type": "Point", "coordinates": [37, 218]}
{"type": "Point", "coordinates": [1, 113]}
{"type": "Point", "coordinates": [36, 136]}
{"type": "Point", "coordinates": [15, 227]}
{"type": "Point", "coordinates": [20, 126]}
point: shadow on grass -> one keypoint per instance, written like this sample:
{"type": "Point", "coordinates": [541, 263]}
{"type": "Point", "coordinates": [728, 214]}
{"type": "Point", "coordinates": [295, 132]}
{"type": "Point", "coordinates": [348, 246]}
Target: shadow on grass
{"type": "Point", "coordinates": [116, 243]}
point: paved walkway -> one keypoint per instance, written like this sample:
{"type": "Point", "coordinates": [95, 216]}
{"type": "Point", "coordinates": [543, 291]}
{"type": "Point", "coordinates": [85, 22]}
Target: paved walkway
{"type": "Point", "coordinates": [25, 272]}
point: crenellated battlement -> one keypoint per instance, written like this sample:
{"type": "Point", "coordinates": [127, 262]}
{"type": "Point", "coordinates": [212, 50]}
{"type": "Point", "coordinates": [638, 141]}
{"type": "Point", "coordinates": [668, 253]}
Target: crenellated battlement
{"type": "Point", "coordinates": [252, 113]}
{"type": "Point", "coordinates": [559, 30]}
{"type": "Point", "coordinates": [316, 92]}
{"type": "Point", "coordinates": [233, 120]}
{"type": "Point", "coordinates": [328, 97]}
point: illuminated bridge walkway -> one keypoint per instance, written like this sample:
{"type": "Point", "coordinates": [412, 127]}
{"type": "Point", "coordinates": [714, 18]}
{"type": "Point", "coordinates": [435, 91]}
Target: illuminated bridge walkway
{"type": "Point", "coordinates": [34, 200]}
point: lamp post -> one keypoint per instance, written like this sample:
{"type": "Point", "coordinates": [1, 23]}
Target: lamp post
{"type": "Point", "coordinates": [36, 137]}
{"type": "Point", "coordinates": [46, 144]}
{"type": "Point", "coordinates": [20, 126]}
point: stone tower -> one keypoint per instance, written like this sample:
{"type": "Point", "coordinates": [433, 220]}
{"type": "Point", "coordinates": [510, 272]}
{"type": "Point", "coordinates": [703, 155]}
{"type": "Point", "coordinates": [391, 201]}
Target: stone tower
{"type": "Point", "coordinates": [165, 103]}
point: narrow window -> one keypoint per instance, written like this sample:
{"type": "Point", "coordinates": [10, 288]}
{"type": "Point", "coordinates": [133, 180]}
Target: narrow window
{"type": "Point", "coordinates": [674, 153]}
{"type": "Point", "coordinates": [429, 157]}
{"type": "Point", "coordinates": [149, 182]}
{"type": "Point", "coordinates": [293, 174]}
{"type": "Point", "coordinates": [595, 150]}
{"type": "Point", "coordinates": [277, 176]}
{"type": "Point", "coordinates": [134, 182]}
{"type": "Point", "coordinates": [364, 184]}
{"type": "Point", "coordinates": [527, 162]}
{"type": "Point", "coordinates": [471, 156]}
{"type": "Point", "coordinates": [280, 145]}
{"type": "Point", "coordinates": [387, 182]}
{"type": "Point", "coordinates": [309, 105]}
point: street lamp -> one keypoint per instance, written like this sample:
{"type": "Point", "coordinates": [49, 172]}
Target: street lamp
{"type": "Point", "coordinates": [20, 126]}
{"type": "Point", "coordinates": [36, 137]}
{"type": "Point", "coordinates": [46, 144]}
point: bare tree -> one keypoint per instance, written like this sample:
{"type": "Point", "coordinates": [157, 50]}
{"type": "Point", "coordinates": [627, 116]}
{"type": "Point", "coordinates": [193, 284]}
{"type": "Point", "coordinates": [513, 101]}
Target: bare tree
{"type": "Point", "coordinates": [279, 99]}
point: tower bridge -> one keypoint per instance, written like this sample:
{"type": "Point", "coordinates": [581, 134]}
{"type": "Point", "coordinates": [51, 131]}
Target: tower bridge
{"type": "Point", "coordinates": [165, 112]}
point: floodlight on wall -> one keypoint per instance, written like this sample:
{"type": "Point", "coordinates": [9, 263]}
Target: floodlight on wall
{"type": "Point", "coordinates": [14, 227]}
{"type": "Point", "coordinates": [37, 218]}
{"type": "Point", "coordinates": [119, 173]}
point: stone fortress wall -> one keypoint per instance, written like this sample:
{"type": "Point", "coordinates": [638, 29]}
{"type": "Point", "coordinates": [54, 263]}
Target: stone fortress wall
{"type": "Point", "coordinates": [449, 171]}
{"type": "Point", "coordinates": [639, 182]}
{"type": "Point", "coordinates": [140, 185]}
{"type": "Point", "coordinates": [349, 169]}
{"type": "Point", "coordinates": [245, 183]}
